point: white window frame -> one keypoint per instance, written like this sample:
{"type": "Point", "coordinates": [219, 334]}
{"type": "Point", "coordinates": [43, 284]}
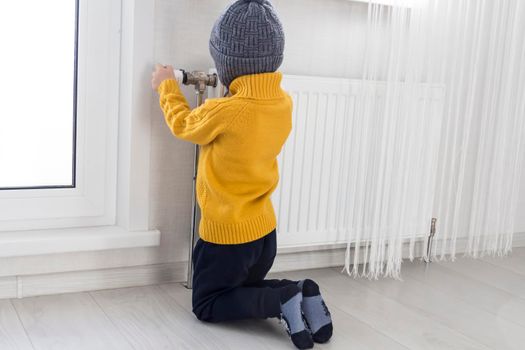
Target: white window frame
{"type": "Point", "coordinates": [109, 207]}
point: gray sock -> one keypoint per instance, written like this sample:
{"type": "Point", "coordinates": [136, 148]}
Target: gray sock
{"type": "Point", "coordinates": [315, 311]}
{"type": "Point", "coordinates": [291, 299]}
{"type": "Point", "coordinates": [293, 317]}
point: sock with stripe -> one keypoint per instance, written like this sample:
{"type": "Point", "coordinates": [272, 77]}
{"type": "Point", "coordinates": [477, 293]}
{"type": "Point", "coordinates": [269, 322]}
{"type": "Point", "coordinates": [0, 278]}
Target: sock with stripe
{"type": "Point", "coordinates": [315, 311]}
{"type": "Point", "coordinates": [291, 316]}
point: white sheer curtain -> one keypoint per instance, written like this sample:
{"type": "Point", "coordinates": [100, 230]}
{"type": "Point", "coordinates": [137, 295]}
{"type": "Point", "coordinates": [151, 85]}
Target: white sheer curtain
{"type": "Point", "coordinates": [459, 160]}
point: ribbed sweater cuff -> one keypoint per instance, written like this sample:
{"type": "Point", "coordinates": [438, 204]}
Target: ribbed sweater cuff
{"type": "Point", "coordinates": [238, 233]}
{"type": "Point", "coordinates": [168, 85]}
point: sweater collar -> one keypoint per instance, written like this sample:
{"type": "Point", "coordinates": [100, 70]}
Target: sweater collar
{"type": "Point", "coordinates": [258, 86]}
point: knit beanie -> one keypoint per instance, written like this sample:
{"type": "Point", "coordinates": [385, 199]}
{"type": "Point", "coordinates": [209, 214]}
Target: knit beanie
{"type": "Point", "coordinates": [247, 38]}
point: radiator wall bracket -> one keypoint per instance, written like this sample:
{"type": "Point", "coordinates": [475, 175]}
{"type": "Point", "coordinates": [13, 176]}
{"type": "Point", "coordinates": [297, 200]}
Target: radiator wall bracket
{"type": "Point", "coordinates": [428, 258]}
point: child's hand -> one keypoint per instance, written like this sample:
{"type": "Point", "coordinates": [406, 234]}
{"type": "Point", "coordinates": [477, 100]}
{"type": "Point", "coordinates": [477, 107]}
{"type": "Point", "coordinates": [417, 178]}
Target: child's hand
{"type": "Point", "coordinates": [160, 74]}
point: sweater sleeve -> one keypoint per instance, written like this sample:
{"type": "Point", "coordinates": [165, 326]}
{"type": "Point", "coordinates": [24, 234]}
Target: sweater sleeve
{"type": "Point", "coordinates": [200, 125]}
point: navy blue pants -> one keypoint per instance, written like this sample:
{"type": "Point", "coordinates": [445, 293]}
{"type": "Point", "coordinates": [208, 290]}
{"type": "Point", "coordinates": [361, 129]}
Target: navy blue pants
{"type": "Point", "coordinates": [228, 280]}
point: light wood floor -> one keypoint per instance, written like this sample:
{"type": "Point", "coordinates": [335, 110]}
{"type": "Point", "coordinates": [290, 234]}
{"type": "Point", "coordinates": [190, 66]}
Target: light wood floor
{"type": "Point", "coordinates": [468, 304]}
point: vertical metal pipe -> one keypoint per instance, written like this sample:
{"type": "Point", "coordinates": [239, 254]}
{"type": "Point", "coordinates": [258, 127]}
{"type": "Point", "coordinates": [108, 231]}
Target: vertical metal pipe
{"type": "Point", "coordinates": [193, 227]}
{"type": "Point", "coordinates": [430, 240]}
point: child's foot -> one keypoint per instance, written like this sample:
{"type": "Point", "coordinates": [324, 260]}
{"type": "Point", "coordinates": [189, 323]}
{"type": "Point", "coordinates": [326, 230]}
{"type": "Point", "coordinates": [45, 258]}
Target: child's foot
{"type": "Point", "coordinates": [316, 312]}
{"type": "Point", "coordinates": [291, 316]}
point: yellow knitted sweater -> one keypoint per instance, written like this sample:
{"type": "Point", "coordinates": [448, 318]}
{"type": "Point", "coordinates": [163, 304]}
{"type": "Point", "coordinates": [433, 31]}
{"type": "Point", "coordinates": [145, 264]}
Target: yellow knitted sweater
{"type": "Point", "coordinates": [240, 137]}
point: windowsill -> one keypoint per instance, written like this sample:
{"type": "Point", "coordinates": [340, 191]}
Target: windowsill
{"type": "Point", "coordinates": [37, 242]}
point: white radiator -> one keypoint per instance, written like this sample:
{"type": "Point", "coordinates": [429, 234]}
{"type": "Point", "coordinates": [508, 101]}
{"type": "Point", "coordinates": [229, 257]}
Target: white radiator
{"type": "Point", "coordinates": [328, 191]}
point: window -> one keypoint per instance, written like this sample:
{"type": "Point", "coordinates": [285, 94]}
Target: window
{"type": "Point", "coordinates": [38, 89]}
{"type": "Point", "coordinates": [58, 170]}
{"type": "Point", "coordinates": [105, 203]}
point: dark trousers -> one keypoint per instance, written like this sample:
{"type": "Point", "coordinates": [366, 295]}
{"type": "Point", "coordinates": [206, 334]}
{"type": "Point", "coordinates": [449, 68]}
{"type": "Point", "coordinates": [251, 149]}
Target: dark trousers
{"type": "Point", "coordinates": [229, 284]}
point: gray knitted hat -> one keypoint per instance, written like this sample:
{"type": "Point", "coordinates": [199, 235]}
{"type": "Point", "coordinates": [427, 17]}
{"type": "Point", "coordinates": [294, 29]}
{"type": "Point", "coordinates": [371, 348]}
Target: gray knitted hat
{"type": "Point", "coordinates": [248, 38]}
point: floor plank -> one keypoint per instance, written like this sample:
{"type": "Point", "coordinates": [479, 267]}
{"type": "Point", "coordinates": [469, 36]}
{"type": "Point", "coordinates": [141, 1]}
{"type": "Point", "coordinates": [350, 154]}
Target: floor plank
{"type": "Point", "coordinates": [514, 262]}
{"type": "Point", "coordinates": [12, 334]}
{"type": "Point", "coordinates": [260, 334]}
{"type": "Point", "coordinates": [479, 325]}
{"type": "Point", "coordinates": [499, 302]}
{"type": "Point", "coordinates": [68, 321]}
{"type": "Point", "coordinates": [414, 329]}
{"type": "Point", "coordinates": [466, 304]}
{"type": "Point", "coordinates": [488, 273]}
{"type": "Point", "coordinates": [150, 319]}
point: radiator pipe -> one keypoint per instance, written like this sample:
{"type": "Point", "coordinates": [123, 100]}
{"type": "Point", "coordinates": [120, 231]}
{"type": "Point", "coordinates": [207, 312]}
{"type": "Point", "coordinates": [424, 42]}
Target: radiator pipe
{"type": "Point", "coordinates": [200, 80]}
{"type": "Point", "coordinates": [431, 239]}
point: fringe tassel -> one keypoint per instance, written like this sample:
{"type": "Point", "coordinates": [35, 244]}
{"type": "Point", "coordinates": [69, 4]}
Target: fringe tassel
{"type": "Point", "coordinates": [412, 163]}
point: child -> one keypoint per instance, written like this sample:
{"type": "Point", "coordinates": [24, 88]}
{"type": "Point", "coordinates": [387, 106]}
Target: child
{"type": "Point", "coordinates": [240, 137]}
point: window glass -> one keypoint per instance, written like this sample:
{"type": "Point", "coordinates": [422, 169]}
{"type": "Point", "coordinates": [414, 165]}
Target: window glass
{"type": "Point", "coordinates": [37, 93]}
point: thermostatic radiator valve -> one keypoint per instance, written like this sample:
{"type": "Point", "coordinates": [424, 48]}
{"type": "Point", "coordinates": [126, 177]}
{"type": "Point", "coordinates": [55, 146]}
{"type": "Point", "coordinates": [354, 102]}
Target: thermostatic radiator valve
{"type": "Point", "coordinates": [198, 79]}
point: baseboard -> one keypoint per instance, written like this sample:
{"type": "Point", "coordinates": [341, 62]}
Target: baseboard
{"type": "Point", "coordinates": [518, 240]}
{"type": "Point", "coordinates": [8, 287]}
{"type": "Point", "coordinates": [82, 281]}
{"type": "Point", "coordinates": [288, 259]}
{"type": "Point", "coordinates": [71, 240]}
